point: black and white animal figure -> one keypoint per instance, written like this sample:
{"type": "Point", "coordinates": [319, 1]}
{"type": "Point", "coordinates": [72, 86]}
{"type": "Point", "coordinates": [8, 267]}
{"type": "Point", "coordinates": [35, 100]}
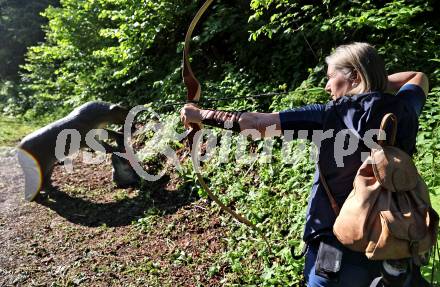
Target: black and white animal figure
{"type": "Point", "coordinates": [38, 154]}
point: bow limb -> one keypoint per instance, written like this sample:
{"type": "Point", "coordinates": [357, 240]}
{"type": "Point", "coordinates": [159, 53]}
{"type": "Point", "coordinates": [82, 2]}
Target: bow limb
{"type": "Point", "coordinates": [193, 87]}
{"type": "Point", "coordinates": [192, 84]}
{"type": "Point", "coordinates": [193, 96]}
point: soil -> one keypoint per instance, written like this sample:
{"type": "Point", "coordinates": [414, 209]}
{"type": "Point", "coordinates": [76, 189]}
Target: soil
{"type": "Point", "coordinates": [86, 232]}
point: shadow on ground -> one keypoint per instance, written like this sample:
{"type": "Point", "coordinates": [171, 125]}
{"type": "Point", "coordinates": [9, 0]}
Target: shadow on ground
{"type": "Point", "coordinates": [122, 212]}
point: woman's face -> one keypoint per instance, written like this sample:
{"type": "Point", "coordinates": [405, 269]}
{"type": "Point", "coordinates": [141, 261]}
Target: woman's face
{"type": "Point", "coordinates": [338, 83]}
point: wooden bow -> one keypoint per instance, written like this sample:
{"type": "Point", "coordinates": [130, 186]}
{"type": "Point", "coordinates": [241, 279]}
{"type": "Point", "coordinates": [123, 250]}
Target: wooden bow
{"type": "Point", "coordinates": [193, 96]}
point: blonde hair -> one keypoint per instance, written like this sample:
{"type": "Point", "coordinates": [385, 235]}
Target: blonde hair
{"type": "Point", "coordinates": [364, 59]}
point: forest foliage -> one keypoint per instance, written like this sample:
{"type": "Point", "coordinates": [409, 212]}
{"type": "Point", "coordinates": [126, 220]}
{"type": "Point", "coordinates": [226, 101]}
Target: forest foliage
{"type": "Point", "coordinates": [20, 23]}
{"type": "Point", "coordinates": [129, 52]}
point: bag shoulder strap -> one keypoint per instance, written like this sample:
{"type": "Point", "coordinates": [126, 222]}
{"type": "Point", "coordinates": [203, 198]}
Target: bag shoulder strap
{"type": "Point", "coordinates": [333, 202]}
{"type": "Point", "coordinates": [381, 137]}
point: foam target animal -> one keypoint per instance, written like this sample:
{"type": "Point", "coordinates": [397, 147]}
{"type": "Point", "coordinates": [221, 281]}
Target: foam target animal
{"type": "Point", "coordinates": [39, 151]}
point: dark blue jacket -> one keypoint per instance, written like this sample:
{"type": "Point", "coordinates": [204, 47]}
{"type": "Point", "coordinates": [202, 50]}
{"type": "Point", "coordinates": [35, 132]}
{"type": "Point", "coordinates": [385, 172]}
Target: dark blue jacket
{"type": "Point", "coordinates": [358, 113]}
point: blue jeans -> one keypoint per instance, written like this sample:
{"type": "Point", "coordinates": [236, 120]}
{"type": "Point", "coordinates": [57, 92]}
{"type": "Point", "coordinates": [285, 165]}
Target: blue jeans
{"type": "Point", "coordinates": [356, 270]}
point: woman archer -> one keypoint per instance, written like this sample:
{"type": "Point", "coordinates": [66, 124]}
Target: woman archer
{"type": "Point", "coordinates": [361, 94]}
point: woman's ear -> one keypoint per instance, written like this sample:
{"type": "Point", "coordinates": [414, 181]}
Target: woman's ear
{"type": "Point", "coordinates": [354, 76]}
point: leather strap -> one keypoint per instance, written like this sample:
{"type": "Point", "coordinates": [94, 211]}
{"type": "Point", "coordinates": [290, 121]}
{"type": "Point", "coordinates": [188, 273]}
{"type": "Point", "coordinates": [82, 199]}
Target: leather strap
{"type": "Point", "coordinates": [302, 254]}
{"type": "Point", "coordinates": [388, 117]}
{"type": "Point", "coordinates": [221, 119]}
{"type": "Point", "coordinates": [414, 249]}
{"type": "Point", "coordinates": [333, 202]}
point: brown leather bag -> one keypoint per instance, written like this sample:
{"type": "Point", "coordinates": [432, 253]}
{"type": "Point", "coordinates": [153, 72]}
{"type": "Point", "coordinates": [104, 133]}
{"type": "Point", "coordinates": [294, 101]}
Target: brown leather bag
{"type": "Point", "coordinates": [388, 214]}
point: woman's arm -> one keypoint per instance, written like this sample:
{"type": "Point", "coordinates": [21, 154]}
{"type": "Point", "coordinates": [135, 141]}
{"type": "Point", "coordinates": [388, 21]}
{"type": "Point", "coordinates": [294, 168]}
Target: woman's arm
{"type": "Point", "coordinates": [397, 80]}
{"type": "Point", "coordinates": [268, 124]}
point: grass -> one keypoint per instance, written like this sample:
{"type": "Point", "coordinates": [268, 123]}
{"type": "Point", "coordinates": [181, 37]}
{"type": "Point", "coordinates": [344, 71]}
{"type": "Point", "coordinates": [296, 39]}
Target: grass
{"type": "Point", "coordinates": [427, 270]}
{"type": "Point", "coordinates": [435, 201]}
{"type": "Point", "coordinates": [13, 130]}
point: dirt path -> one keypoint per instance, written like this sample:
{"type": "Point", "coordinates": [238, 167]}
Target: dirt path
{"type": "Point", "coordinates": [10, 181]}
{"type": "Point", "coordinates": [86, 232]}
